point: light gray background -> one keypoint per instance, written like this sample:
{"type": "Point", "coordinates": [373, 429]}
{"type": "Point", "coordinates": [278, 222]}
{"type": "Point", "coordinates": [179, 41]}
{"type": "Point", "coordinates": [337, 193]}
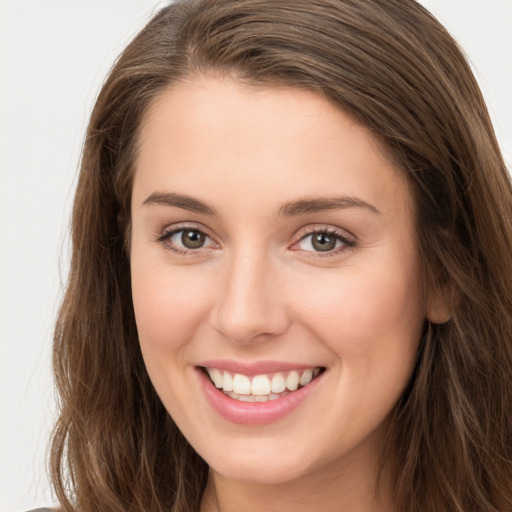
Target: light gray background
{"type": "Point", "coordinates": [53, 58]}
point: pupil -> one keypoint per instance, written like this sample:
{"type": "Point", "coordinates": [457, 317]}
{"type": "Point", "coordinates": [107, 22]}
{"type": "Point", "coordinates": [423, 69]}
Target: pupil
{"type": "Point", "coordinates": [323, 242]}
{"type": "Point", "coordinates": [192, 239]}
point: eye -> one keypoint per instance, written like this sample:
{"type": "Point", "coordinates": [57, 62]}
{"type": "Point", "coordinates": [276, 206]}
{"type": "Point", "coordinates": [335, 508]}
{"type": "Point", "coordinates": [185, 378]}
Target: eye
{"type": "Point", "coordinates": [324, 241]}
{"type": "Point", "coordinates": [186, 239]}
{"type": "Point", "coordinates": [190, 238]}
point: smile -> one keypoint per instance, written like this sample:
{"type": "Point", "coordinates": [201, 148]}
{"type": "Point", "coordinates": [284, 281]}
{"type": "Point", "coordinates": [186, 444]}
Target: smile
{"type": "Point", "coordinates": [257, 393]}
{"type": "Point", "coordinates": [263, 387]}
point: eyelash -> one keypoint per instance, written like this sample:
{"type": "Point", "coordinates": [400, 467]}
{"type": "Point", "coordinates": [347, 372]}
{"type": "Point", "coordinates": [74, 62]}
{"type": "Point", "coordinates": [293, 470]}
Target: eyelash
{"type": "Point", "coordinates": [347, 242]}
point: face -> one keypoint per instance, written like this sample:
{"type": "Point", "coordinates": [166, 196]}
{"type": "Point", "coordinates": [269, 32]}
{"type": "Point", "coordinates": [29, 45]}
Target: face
{"type": "Point", "coordinates": [275, 278]}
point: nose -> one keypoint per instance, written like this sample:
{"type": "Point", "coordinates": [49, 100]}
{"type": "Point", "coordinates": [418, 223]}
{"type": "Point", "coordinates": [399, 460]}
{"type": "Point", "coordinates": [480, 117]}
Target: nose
{"type": "Point", "coordinates": [249, 306]}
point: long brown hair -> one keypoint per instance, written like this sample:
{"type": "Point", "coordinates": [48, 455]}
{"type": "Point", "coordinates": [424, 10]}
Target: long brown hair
{"type": "Point", "coordinates": [393, 67]}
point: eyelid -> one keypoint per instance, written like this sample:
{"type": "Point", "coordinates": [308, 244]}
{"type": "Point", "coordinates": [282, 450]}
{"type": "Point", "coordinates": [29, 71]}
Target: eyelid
{"type": "Point", "coordinates": [178, 226]}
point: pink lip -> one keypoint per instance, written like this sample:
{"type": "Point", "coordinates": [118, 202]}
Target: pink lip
{"type": "Point", "coordinates": [251, 369]}
{"type": "Point", "coordinates": [254, 413]}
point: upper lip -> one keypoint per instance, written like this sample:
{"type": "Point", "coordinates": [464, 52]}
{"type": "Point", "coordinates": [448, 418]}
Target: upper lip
{"type": "Point", "coordinates": [255, 368]}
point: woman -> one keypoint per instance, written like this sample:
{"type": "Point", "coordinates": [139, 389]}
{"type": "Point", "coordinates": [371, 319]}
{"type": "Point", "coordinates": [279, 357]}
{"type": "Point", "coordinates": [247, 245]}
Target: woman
{"type": "Point", "coordinates": [291, 274]}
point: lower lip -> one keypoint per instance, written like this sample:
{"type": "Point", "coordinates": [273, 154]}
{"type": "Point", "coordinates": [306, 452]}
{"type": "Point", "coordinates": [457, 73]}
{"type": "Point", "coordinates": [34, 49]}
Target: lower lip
{"type": "Point", "coordinates": [254, 413]}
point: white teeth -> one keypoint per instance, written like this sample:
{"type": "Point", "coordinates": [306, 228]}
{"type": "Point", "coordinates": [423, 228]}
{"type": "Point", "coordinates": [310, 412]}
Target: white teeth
{"type": "Point", "coordinates": [260, 388]}
{"type": "Point", "coordinates": [292, 381]}
{"type": "Point", "coordinates": [278, 383]}
{"type": "Point", "coordinates": [260, 385]}
{"type": "Point", "coordinates": [241, 384]}
{"type": "Point", "coordinates": [227, 382]}
{"type": "Point", "coordinates": [306, 377]}
{"type": "Point", "coordinates": [216, 376]}
{"type": "Point", "coordinates": [247, 398]}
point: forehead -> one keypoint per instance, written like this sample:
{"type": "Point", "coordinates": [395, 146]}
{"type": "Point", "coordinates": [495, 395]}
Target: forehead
{"type": "Point", "coordinates": [212, 133]}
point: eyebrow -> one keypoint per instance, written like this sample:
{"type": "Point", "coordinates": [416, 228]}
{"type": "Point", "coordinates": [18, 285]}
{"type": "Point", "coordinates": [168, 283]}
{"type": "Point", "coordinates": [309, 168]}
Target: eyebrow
{"type": "Point", "coordinates": [289, 209]}
{"type": "Point", "coordinates": [322, 204]}
{"type": "Point", "coordinates": [179, 201]}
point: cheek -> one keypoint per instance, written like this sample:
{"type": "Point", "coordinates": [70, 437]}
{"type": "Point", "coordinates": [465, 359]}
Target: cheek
{"type": "Point", "coordinates": [169, 304]}
{"type": "Point", "coordinates": [365, 313]}
{"type": "Point", "coordinates": [371, 321]}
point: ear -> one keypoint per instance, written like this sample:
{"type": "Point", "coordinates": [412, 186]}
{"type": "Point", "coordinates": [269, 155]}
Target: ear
{"type": "Point", "coordinates": [440, 306]}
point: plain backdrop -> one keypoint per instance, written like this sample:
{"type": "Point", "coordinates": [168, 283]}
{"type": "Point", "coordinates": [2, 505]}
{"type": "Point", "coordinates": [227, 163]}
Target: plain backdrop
{"type": "Point", "coordinates": [54, 56]}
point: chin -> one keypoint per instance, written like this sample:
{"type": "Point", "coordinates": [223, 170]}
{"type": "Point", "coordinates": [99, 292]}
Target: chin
{"type": "Point", "coordinates": [260, 470]}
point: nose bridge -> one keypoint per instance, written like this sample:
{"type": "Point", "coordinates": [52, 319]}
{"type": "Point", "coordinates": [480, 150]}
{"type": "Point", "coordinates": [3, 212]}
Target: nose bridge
{"type": "Point", "coordinates": [248, 304]}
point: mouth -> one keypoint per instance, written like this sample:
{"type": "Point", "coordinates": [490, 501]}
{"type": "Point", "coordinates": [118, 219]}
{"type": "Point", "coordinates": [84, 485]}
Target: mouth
{"type": "Point", "coordinates": [263, 387]}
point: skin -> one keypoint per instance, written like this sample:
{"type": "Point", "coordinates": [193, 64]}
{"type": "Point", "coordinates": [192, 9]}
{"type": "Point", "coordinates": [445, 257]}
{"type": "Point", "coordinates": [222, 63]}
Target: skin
{"type": "Point", "coordinates": [258, 289]}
